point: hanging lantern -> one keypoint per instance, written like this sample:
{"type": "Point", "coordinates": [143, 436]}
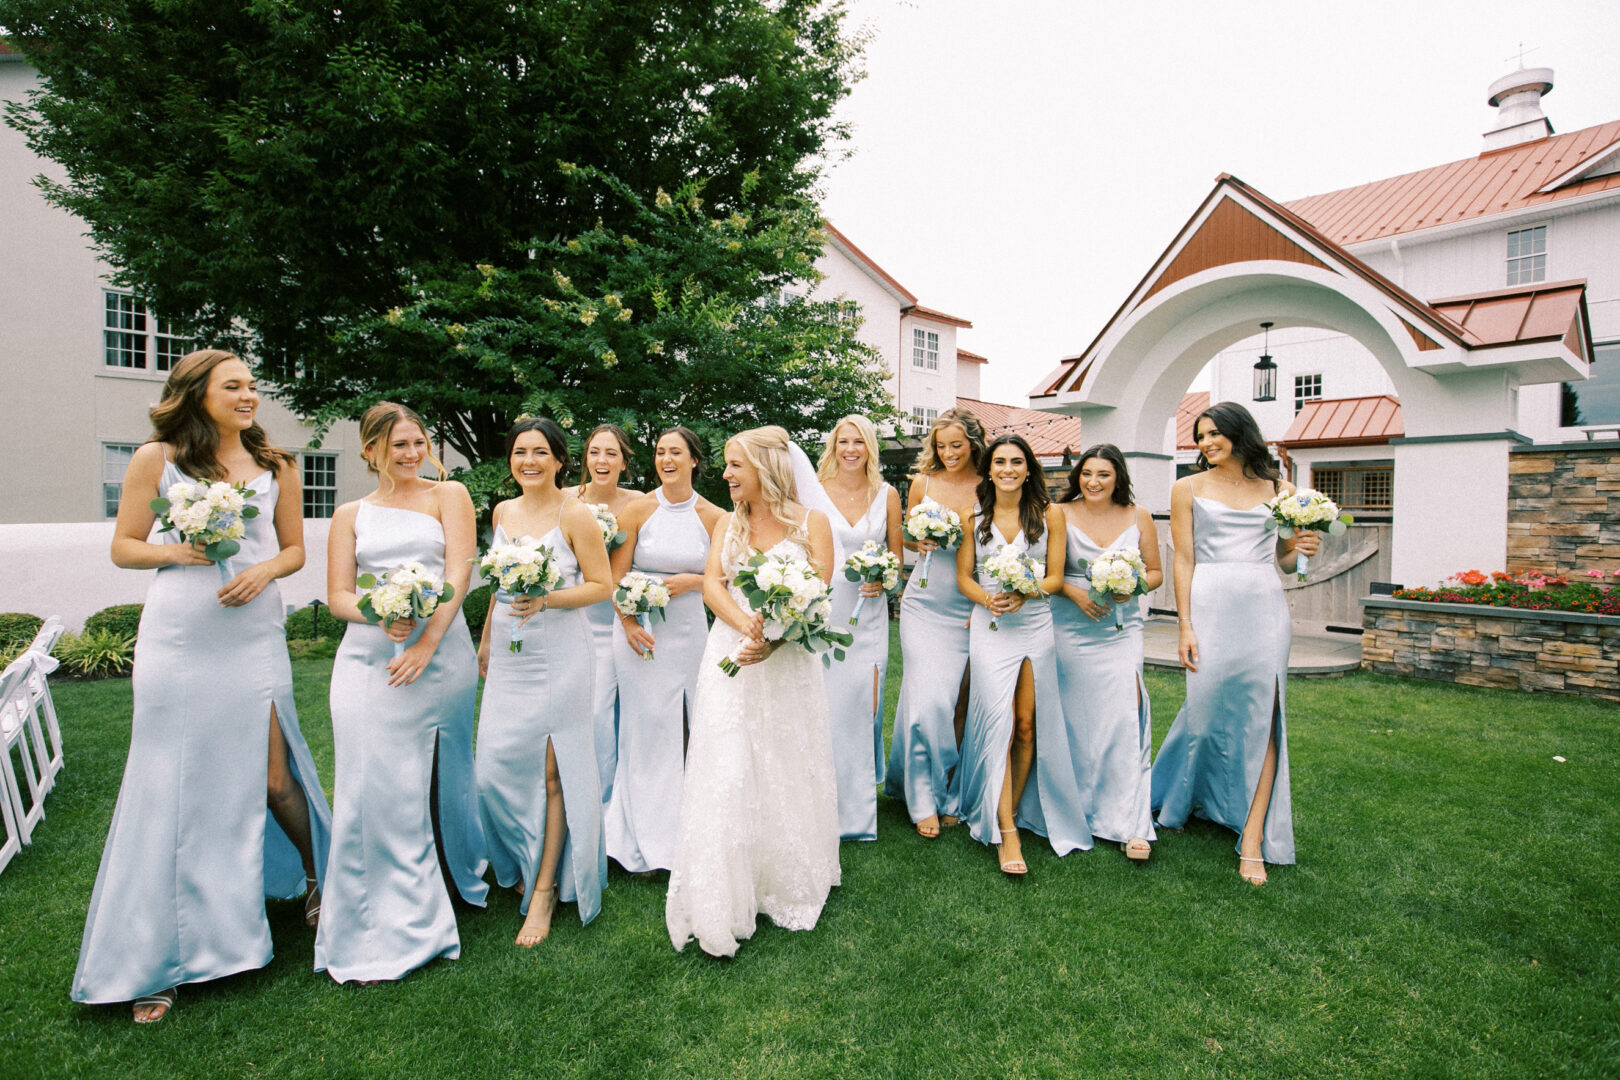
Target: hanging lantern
{"type": "Point", "coordinates": [1265, 371]}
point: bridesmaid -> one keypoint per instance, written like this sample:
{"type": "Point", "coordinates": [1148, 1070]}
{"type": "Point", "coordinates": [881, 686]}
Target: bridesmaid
{"type": "Point", "coordinates": [607, 455]}
{"type": "Point", "coordinates": [191, 854]}
{"type": "Point", "coordinates": [535, 730]}
{"type": "Point", "coordinates": [866, 509]}
{"type": "Point", "coordinates": [667, 534]}
{"type": "Point", "coordinates": [929, 715]}
{"type": "Point", "coordinates": [402, 726]}
{"type": "Point", "coordinates": [1226, 756]}
{"type": "Point", "coordinates": [1017, 767]}
{"type": "Point", "coordinates": [1099, 665]}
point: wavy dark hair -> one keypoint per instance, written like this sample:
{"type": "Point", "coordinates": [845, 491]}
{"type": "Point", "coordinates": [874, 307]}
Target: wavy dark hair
{"type": "Point", "coordinates": [556, 441]}
{"type": "Point", "coordinates": [1122, 476]}
{"type": "Point", "coordinates": [694, 445]}
{"type": "Point", "coordinates": [619, 436]}
{"type": "Point", "coordinates": [180, 420]}
{"type": "Point", "coordinates": [1032, 497]}
{"type": "Point", "coordinates": [1248, 445]}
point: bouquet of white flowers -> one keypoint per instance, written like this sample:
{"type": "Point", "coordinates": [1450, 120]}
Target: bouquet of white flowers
{"type": "Point", "coordinates": [406, 591]}
{"type": "Point", "coordinates": [794, 602]}
{"type": "Point", "coordinates": [608, 522]}
{"type": "Point", "coordinates": [873, 563]}
{"type": "Point", "coordinates": [1015, 572]}
{"type": "Point", "coordinates": [643, 596]}
{"type": "Point", "coordinates": [931, 521]}
{"type": "Point", "coordinates": [214, 515]}
{"type": "Point", "coordinates": [1305, 509]}
{"type": "Point", "coordinates": [1116, 573]}
{"type": "Point", "coordinates": [522, 567]}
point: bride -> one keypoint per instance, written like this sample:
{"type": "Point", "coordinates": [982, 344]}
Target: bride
{"type": "Point", "coordinates": [759, 817]}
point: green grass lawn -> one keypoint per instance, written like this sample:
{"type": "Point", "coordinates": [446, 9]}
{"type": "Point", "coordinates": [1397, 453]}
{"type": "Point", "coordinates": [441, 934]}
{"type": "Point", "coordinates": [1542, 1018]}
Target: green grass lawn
{"type": "Point", "coordinates": [1453, 915]}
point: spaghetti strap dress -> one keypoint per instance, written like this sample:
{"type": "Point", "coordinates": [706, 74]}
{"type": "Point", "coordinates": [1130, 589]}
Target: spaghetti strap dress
{"type": "Point", "coordinates": [539, 695]}
{"type": "Point", "coordinates": [1237, 700]}
{"type": "Point", "coordinates": [655, 697]}
{"type": "Point", "coordinates": [386, 910]}
{"type": "Point", "coordinates": [934, 655]}
{"type": "Point", "coordinates": [193, 851]}
{"type": "Point", "coordinates": [1105, 701]}
{"type": "Point", "coordinates": [1051, 805]}
{"type": "Point", "coordinates": [856, 718]}
{"type": "Point", "coordinates": [603, 621]}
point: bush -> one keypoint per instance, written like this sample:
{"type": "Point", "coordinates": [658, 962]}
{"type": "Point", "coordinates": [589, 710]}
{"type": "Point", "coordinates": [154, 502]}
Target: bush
{"type": "Point", "coordinates": [301, 622]}
{"type": "Point", "coordinates": [320, 649]}
{"type": "Point", "coordinates": [96, 654]}
{"type": "Point", "coordinates": [476, 608]}
{"type": "Point", "coordinates": [121, 619]}
{"type": "Point", "coordinates": [17, 629]}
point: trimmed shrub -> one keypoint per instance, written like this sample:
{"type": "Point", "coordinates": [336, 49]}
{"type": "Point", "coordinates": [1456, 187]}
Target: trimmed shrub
{"type": "Point", "coordinates": [299, 624]}
{"type": "Point", "coordinates": [120, 619]}
{"type": "Point", "coordinates": [17, 629]}
{"type": "Point", "coordinates": [96, 654]}
{"type": "Point", "coordinates": [476, 608]}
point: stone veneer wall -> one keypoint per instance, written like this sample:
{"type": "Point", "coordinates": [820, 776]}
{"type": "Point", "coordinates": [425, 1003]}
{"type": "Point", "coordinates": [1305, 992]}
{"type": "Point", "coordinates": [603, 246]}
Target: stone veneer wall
{"type": "Point", "coordinates": [1563, 508]}
{"type": "Point", "coordinates": [1560, 651]}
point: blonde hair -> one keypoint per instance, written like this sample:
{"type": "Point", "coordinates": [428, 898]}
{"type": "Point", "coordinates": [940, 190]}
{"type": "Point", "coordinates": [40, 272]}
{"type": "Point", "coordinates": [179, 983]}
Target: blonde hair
{"type": "Point", "coordinates": [928, 461]}
{"type": "Point", "coordinates": [827, 467]}
{"type": "Point", "coordinates": [766, 449]}
{"type": "Point", "coordinates": [377, 424]}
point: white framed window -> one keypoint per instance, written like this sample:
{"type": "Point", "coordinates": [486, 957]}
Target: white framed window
{"type": "Point", "coordinates": [922, 419]}
{"type": "Point", "coordinates": [1368, 488]}
{"type": "Point", "coordinates": [1527, 255]}
{"type": "Point", "coordinates": [1306, 388]}
{"type": "Point", "coordinates": [115, 458]}
{"type": "Point", "coordinates": [125, 325]}
{"type": "Point", "coordinates": [925, 349]}
{"type": "Point", "coordinates": [320, 484]}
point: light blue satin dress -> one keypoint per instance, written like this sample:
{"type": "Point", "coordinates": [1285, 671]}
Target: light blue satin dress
{"type": "Point", "coordinates": [1105, 702]}
{"type": "Point", "coordinates": [857, 723]}
{"type": "Point", "coordinates": [192, 851]}
{"type": "Point", "coordinates": [531, 697]}
{"type": "Point", "coordinates": [1209, 765]}
{"type": "Point", "coordinates": [1051, 805]}
{"type": "Point", "coordinates": [386, 909]}
{"type": "Point", "coordinates": [603, 621]}
{"type": "Point", "coordinates": [643, 821]}
{"type": "Point", "coordinates": [934, 656]}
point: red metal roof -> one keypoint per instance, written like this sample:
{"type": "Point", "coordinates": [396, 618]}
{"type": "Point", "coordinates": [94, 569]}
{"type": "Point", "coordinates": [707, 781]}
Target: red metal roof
{"type": "Point", "coordinates": [1346, 422]}
{"type": "Point", "coordinates": [1546, 311]}
{"type": "Point", "coordinates": [1048, 434]}
{"type": "Point", "coordinates": [1053, 379]}
{"type": "Point", "coordinates": [1186, 415]}
{"type": "Point", "coordinates": [930, 314]}
{"type": "Point", "coordinates": [1493, 182]}
{"type": "Point", "coordinates": [965, 357]}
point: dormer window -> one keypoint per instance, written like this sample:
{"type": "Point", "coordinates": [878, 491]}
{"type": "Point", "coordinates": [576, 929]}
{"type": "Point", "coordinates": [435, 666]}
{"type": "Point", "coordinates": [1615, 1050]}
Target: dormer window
{"type": "Point", "coordinates": [1527, 255]}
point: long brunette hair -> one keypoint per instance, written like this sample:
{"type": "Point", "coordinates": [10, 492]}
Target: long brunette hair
{"type": "Point", "coordinates": [1032, 497]}
{"type": "Point", "coordinates": [180, 420]}
{"type": "Point", "coordinates": [1248, 445]}
{"type": "Point", "coordinates": [556, 442]}
{"type": "Point", "coordinates": [1122, 478]}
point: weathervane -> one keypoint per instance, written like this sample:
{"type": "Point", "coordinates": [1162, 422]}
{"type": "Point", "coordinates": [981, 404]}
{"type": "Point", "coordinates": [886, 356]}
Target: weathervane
{"type": "Point", "coordinates": [1520, 56]}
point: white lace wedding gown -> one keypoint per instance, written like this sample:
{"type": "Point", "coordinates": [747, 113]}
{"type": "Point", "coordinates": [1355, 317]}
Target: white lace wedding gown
{"type": "Point", "coordinates": [759, 816]}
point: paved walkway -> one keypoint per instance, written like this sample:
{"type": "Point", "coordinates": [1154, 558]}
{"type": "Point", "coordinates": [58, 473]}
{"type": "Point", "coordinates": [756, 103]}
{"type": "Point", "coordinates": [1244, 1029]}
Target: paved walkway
{"type": "Point", "coordinates": [1316, 651]}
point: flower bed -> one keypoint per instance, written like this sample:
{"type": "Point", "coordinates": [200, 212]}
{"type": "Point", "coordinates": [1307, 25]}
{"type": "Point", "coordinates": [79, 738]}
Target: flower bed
{"type": "Point", "coordinates": [1584, 593]}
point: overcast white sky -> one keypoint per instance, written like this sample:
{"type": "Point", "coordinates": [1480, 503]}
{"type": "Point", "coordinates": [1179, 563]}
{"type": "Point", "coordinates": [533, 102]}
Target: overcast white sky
{"type": "Point", "coordinates": [1021, 163]}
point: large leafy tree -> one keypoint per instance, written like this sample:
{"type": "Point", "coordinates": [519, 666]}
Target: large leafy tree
{"type": "Point", "coordinates": [588, 207]}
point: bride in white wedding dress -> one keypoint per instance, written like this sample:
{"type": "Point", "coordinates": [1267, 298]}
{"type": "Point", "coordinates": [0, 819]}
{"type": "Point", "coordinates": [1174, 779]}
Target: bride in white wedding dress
{"type": "Point", "coordinates": [759, 816]}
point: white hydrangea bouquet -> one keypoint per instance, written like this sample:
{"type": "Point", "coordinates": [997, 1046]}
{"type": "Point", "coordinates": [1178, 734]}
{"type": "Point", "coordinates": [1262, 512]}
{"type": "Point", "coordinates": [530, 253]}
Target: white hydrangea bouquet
{"type": "Point", "coordinates": [929, 520]}
{"type": "Point", "coordinates": [1306, 509]}
{"type": "Point", "coordinates": [795, 604]}
{"type": "Point", "coordinates": [873, 563]}
{"type": "Point", "coordinates": [608, 522]}
{"type": "Point", "coordinates": [214, 515]}
{"type": "Point", "coordinates": [406, 591]}
{"type": "Point", "coordinates": [643, 597]}
{"type": "Point", "coordinates": [1118, 572]}
{"type": "Point", "coordinates": [521, 567]}
{"type": "Point", "coordinates": [1015, 572]}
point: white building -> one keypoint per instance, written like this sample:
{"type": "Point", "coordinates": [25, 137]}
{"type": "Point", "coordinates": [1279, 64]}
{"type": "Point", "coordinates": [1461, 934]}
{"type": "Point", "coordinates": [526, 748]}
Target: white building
{"type": "Point", "coordinates": [82, 361]}
{"type": "Point", "coordinates": [1481, 297]}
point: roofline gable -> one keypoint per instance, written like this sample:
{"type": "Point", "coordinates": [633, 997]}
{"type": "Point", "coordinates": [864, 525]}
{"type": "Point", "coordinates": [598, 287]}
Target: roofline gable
{"type": "Point", "coordinates": [846, 247]}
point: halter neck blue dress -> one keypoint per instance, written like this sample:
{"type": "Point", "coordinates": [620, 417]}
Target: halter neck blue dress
{"type": "Point", "coordinates": [192, 851]}
{"type": "Point", "coordinates": [386, 909]}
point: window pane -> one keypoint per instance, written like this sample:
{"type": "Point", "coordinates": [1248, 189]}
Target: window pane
{"type": "Point", "coordinates": [1595, 400]}
{"type": "Point", "coordinates": [115, 458]}
{"type": "Point", "coordinates": [320, 485]}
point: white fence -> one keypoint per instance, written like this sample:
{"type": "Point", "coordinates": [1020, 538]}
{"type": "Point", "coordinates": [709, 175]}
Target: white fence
{"type": "Point", "coordinates": [63, 569]}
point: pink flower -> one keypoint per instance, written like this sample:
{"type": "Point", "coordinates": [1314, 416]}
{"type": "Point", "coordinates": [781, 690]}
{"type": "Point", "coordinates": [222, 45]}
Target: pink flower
{"type": "Point", "coordinates": [1594, 573]}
